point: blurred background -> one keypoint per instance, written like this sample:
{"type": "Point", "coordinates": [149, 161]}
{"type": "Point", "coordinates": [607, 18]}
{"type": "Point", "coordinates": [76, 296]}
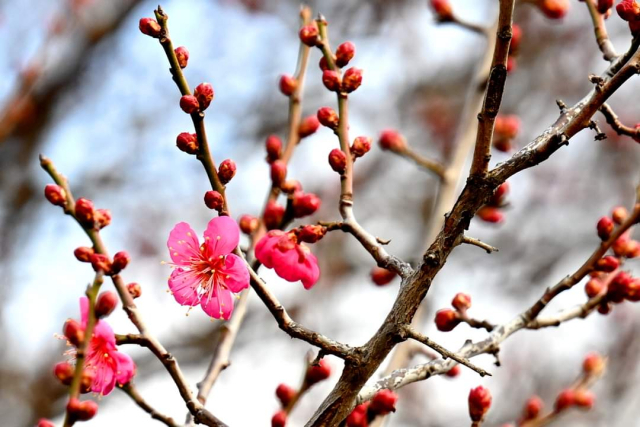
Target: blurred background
{"type": "Point", "coordinates": [83, 86]}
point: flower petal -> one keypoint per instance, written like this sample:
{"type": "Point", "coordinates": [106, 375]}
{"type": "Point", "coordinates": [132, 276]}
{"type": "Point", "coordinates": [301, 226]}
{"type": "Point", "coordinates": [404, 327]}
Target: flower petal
{"type": "Point", "coordinates": [222, 235]}
{"type": "Point", "coordinates": [84, 311]}
{"type": "Point", "coordinates": [236, 275]}
{"type": "Point", "coordinates": [218, 305]}
{"type": "Point", "coordinates": [125, 368]}
{"type": "Point", "coordinates": [265, 247]}
{"type": "Point", "coordinates": [287, 266]}
{"type": "Point", "coordinates": [183, 244]}
{"type": "Point", "coordinates": [184, 286]}
{"type": "Point", "coordinates": [105, 378]}
{"type": "Point", "coordinates": [102, 331]}
{"type": "Point", "coordinates": [312, 271]}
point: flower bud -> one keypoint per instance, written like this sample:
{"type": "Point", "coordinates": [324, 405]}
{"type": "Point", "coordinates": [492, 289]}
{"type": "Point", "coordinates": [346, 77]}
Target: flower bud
{"type": "Point", "coordinates": [309, 35]}
{"type": "Point", "coordinates": [383, 402]}
{"type": "Point", "coordinates": [619, 214]}
{"type": "Point", "coordinates": [361, 146]}
{"type": "Point", "coordinates": [317, 373]}
{"type": "Point", "coordinates": [64, 372]}
{"type": "Point", "coordinates": [633, 291]}
{"type": "Point", "coordinates": [604, 308]}
{"type": "Point", "coordinates": [214, 200]}
{"type": "Point", "coordinates": [605, 228]}
{"type": "Point", "coordinates": [273, 214]}
{"type": "Point", "coordinates": [43, 422]}
{"type": "Point", "coordinates": [507, 126]}
{"type": "Point", "coordinates": [150, 27]}
{"type": "Point", "coordinates": [584, 399]}
{"type": "Point", "coordinates": [345, 53]}
{"type": "Point", "coordinates": [288, 84]}
{"type": "Point", "coordinates": [120, 261]}
{"type": "Point", "coordinates": [83, 254]}
{"type": "Point", "coordinates": [331, 80]}
{"type": "Point", "coordinates": [101, 262]}
{"type": "Point", "coordinates": [338, 160]}
{"type": "Point", "coordinates": [593, 364]}
{"type": "Point", "coordinates": [461, 301]}
{"type": "Point", "coordinates": [81, 411]}
{"type": "Point", "coordinates": [565, 399]}
{"type": "Point", "coordinates": [291, 186]}
{"type": "Point", "coordinates": [311, 233]}
{"type": "Point", "coordinates": [106, 303]}
{"type": "Point", "coordinates": [628, 10]}
{"type": "Point", "coordinates": [323, 64]}
{"type": "Point", "coordinates": [248, 224]}
{"type": "Point", "coordinates": [619, 287]}
{"type": "Point", "coordinates": [85, 212]}
{"type": "Point", "coordinates": [204, 94]}
{"type": "Point", "coordinates": [516, 37]}
{"type": "Point", "coordinates": [86, 380]}
{"type": "Point", "coordinates": [358, 417]}
{"type": "Point", "coordinates": [479, 403]}
{"type": "Point", "coordinates": [328, 117]}
{"type": "Point", "coordinates": [532, 408]}
{"type": "Point", "coordinates": [279, 419]}
{"type": "Point", "coordinates": [381, 276]}
{"type": "Point", "coordinates": [392, 140]}
{"type": "Point", "coordinates": [490, 214]}
{"type": "Point", "coordinates": [226, 171]}
{"type": "Point", "coordinates": [285, 394]}
{"type": "Point", "coordinates": [189, 104]}
{"type": "Point", "coordinates": [554, 9]}
{"type": "Point", "coordinates": [447, 319]}
{"type": "Point", "coordinates": [619, 246]}
{"type": "Point", "coordinates": [308, 126]}
{"type": "Point", "coordinates": [73, 332]}
{"type": "Point", "coordinates": [305, 204]}
{"type": "Point", "coordinates": [604, 6]}
{"type": "Point", "coordinates": [274, 148]}
{"type": "Point", "coordinates": [443, 10]}
{"type": "Point", "coordinates": [351, 80]}
{"type": "Point", "coordinates": [102, 218]}
{"type": "Point", "coordinates": [188, 142]}
{"type": "Point", "coordinates": [632, 249]}
{"type": "Point", "coordinates": [55, 194]}
{"type": "Point", "coordinates": [594, 287]}
{"type": "Point", "coordinates": [499, 196]}
{"type": "Point", "coordinates": [134, 289]}
{"type": "Point", "coordinates": [607, 264]}
{"type": "Point", "coordinates": [453, 372]}
{"type": "Point", "coordinates": [278, 173]}
{"type": "Point", "coordinates": [182, 55]}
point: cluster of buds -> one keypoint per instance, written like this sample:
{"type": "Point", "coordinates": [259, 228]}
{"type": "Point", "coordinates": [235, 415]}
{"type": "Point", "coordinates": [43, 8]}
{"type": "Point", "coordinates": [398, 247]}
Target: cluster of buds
{"type": "Point", "coordinates": [382, 403]}
{"type": "Point", "coordinates": [553, 9]}
{"type": "Point", "coordinates": [81, 410]}
{"type": "Point", "coordinates": [629, 10]}
{"type": "Point", "coordinates": [492, 212]}
{"type": "Point", "coordinates": [199, 101]}
{"type": "Point", "coordinates": [349, 82]}
{"type": "Point", "coordinates": [447, 319]}
{"type": "Point", "coordinates": [84, 210]}
{"type": "Point", "coordinates": [101, 262]}
{"type": "Point", "coordinates": [505, 131]}
{"type": "Point", "coordinates": [64, 372]}
{"type": "Point", "coordinates": [516, 37]}
{"type": "Point", "coordinates": [479, 403]}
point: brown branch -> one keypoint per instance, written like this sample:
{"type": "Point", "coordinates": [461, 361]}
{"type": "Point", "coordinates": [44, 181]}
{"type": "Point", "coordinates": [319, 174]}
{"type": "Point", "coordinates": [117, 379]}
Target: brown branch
{"type": "Point", "coordinates": [133, 393]}
{"type": "Point", "coordinates": [428, 164]}
{"type": "Point", "coordinates": [616, 124]}
{"type": "Point", "coordinates": [475, 242]}
{"type": "Point", "coordinates": [477, 324]}
{"type": "Point", "coordinates": [600, 30]}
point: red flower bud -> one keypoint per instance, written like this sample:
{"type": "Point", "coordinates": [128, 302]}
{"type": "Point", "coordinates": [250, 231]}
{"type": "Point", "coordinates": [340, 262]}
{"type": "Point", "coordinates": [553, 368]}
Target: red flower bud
{"type": "Point", "coordinates": [607, 264]}
{"type": "Point", "coordinates": [81, 411]}
{"type": "Point", "coordinates": [498, 197]}
{"type": "Point", "coordinates": [182, 55]}
{"type": "Point", "coordinates": [64, 372]}
{"type": "Point", "coordinates": [490, 214]}
{"type": "Point", "coordinates": [309, 35]}
{"type": "Point", "coordinates": [633, 291]}
{"type": "Point", "coordinates": [279, 419]}
{"type": "Point", "coordinates": [308, 126]}
{"type": "Point", "coordinates": [102, 218]}
{"type": "Point", "coordinates": [278, 173]}
{"type": "Point", "coordinates": [619, 214]}
{"type": "Point", "coordinates": [381, 276]}
{"type": "Point", "coordinates": [285, 394]}
{"type": "Point", "coordinates": [447, 319]}
{"type": "Point", "coordinates": [120, 261]}
{"type": "Point", "coordinates": [83, 254]}
{"type": "Point", "coordinates": [442, 9]}
{"type": "Point", "coordinates": [383, 402]}
{"type": "Point", "coordinates": [73, 332]}
{"type": "Point", "coordinates": [604, 6]}
{"type": "Point", "coordinates": [288, 84]}
{"type": "Point", "coordinates": [150, 27]}
{"type": "Point", "coordinates": [311, 233]}
{"type": "Point", "coordinates": [584, 399]}
{"type": "Point", "coordinates": [479, 403]}
{"type": "Point", "coordinates": [554, 9]}
{"type": "Point", "coordinates": [204, 94]}
{"type": "Point", "coordinates": [453, 372]}
{"type": "Point", "coordinates": [274, 148]}
{"type": "Point", "coordinates": [361, 146]}
{"type": "Point", "coordinates": [323, 64]}
{"type": "Point", "coordinates": [345, 53]}
{"type": "Point", "coordinates": [43, 422]}
{"type": "Point", "coordinates": [619, 287]}
{"type": "Point", "coordinates": [619, 247]}
{"type": "Point", "coordinates": [628, 10]}
{"type": "Point", "coordinates": [605, 228]}
{"type": "Point", "coordinates": [106, 303]}
{"type": "Point", "coordinates": [189, 104]}
{"type": "Point", "coordinates": [604, 308]}
{"type": "Point", "coordinates": [134, 290]}
{"type": "Point", "coordinates": [358, 417]}
{"type": "Point", "coordinates": [461, 301]}
{"type": "Point", "coordinates": [392, 140]}
{"type": "Point", "coordinates": [188, 142]}
{"type": "Point", "coordinates": [632, 249]}
{"type": "Point", "coordinates": [331, 80]}
{"type": "Point", "coordinates": [338, 160]}
{"type": "Point", "coordinates": [594, 287]}
{"type": "Point", "coordinates": [328, 117]}
{"type": "Point", "coordinates": [317, 373]}
{"type": "Point", "coordinates": [593, 364]}
{"type": "Point", "coordinates": [507, 126]}
{"type": "Point", "coordinates": [226, 171]}
{"type": "Point", "coordinates": [305, 204]}
{"type": "Point", "coordinates": [85, 212]}
{"type": "Point", "coordinates": [516, 37]}
{"type": "Point", "coordinates": [351, 80]}
{"type": "Point", "coordinates": [291, 186]}
{"type": "Point", "coordinates": [55, 194]}
{"type": "Point", "coordinates": [248, 224]}
{"type": "Point", "coordinates": [565, 399]}
{"type": "Point", "coordinates": [273, 214]}
{"type": "Point", "coordinates": [532, 408]}
{"type": "Point", "coordinates": [213, 200]}
{"type": "Point", "coordinates": [101, 262]}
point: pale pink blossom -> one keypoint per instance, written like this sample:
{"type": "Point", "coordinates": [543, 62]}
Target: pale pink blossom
{"type": "Point", "coordinates": [291, 260]}
{"type": "Point", "coordinates": [207, 274]}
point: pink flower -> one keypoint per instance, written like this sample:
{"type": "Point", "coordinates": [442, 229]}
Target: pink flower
{"type": "Point", "coordinates": [291, 260]}
{"type": "Point", "coordinates": [207, 274]}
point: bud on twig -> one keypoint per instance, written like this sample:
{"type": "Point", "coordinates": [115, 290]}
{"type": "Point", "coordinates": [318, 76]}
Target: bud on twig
{"type": "Point", "coordinates": [288, 84]}
{"type": "Point", "coordinates": [447, 319]}
{"type": "Point", "coordinates": [344, 53]}
{"type": "Point", "coordinates": [331, 80]}
{"type": "Point", "coordinates": [593, 364]}
{"type": "Point", "coordinates": [309, 35]}
{"type": "Point", "coordinates": [102, 218]}
{"type": "Point", "coordinates": [565, 399]}
{"type": "Point", "coordinates": [106, 303]}
{"type": "Point", "coordinates": [279, 419]}
{"type": "Point", "coordinates": [120, 261]}
{"type": "Point", "coordinates": [101, 262]}
{"type": "Point", "coordinates": [308, 126]}
{"type": "Point", "coordinates": [85, 212]}
{"type": "Point", "coordinates": [204, 94]}
{"type": "Point", "coordinates": [361, 146]}
{"type": "Point", "coordinates": [273, 214]}
{"type": "Point", "coordinates": [81, 411]}
{"type": "Point", "coordinates": [274, 148]}
{"type": "Point", "coordinates": [83, 254]}
{"type": "Point", "coordinates": [317, 373]}
{"type": "Point", "coordinates": [392, 140]}
{"type": "Point", "coordinates": [479, 403]}
{"type": "Point", "coordinates": [182, 55]}
{"type": "Point", "coordinates": [226, 171]}
{"type": "Point", "coordinates": [55, 194]}
{"type": "Point", "coordinates": [64, 372]}
{"type": "Point", "coordinates": [278, 173]}
{"type": "Point", "coordinates": [532, 408]}
{"type": "Point", "coordinates": [189, 104]}
{"type": "Point", "coordinates": [383, 402]}
{"type": "Point", "coordinates": [188, 142]}
{"type": "Point", "coordinates": [134, 289]}
{"type": "Point", "coordinates": [605, 228]}
{"type": "Point", "coordinates": [311, 233]}
{"type": "Point", "coordinates": [213, 200]}
{"type": "Point", "coordinates": [351, 80]}
{"type": "Point", "coordinates": [248, 224]}
{"type": "Point", "coordinates": [381, 276]}
{"type": "Point", "coordinates": [285, 394]}
{"type": "Point", "coordinates": [328, 117]}
{"type": "Point", "coordinates": [461, 302]}
{"type": "Point", "coordinates": [150, 27]}
{"type": "Point", "coordinates": [73, 332]}
{"type": "Point", "coordinates": [305, 204]}
{"type": "Point", "coordinates": [338, 160]}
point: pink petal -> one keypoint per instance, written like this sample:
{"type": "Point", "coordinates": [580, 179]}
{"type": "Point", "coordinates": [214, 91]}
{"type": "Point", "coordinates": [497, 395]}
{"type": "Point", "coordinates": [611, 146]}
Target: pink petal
{"type": "Point", "coordinates": [312, 271]}
{"type": "Point", "coordinates": [222, 235]}
{"type": "Point", "coordinates": [238, 275]}
{"type": "Point", "coordinates": [266, 246]}
{"type": "Point", "coordinates": [220, 305]}
{"type": "Point", "coordinates": [287, 266]}
{"type": "Point", "coordinates": [184, 286]}
{"type": "Point", "coordinates": [183, 244]}
{"type": "Point", "coordinates": [105, 378]}
{"type": "Point", "coordinates": [84, 311]}
{"type": "Point", "coordinates": [125, 368]}
{"type": "Point", "coordinates": [102, 331]}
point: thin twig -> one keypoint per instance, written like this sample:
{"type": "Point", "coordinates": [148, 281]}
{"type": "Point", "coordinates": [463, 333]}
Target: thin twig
{"type": "Point", "coordinates": [616, 124]}
{"type": "Point", "coordinates": [133, 393]}
{"type": "Point", "coordinates": [600, 29]}
{"type": "Point", "coordinates": [428, 164]}
{"type": "Point", "coordinates": [475, 242]}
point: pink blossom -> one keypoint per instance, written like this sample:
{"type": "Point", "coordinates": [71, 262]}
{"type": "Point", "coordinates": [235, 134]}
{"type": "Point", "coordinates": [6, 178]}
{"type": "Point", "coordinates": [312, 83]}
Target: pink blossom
{"type": "Point", "coordinates": [207, 274]}
{"type": "Point", "coordinates": [291, 260]}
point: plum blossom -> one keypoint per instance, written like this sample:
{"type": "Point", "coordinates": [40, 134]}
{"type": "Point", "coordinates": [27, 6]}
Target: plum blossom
{"type": "Point", "coordinates": [207, 274]}
{"type": "Point", "coordinates": [291, 260]}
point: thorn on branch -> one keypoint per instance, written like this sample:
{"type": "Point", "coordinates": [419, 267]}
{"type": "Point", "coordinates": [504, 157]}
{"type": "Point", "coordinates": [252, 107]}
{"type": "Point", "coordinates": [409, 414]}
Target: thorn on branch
{"type": "Point", "coordinates": [599, 134]}
{"type": "Point", "coordinates": [561, 105]}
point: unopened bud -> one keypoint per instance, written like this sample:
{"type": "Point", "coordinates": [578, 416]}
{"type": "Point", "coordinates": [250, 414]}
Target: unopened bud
{"type": "Point", "coordinates": [73, 332]}
{"type": "Point", "coordinates": [619, 287]}
{"type": "Point", "coordinates": [628, 10]}
{"type": "Point", "coordinates": [120, 261]}
{"type": "Point", "coordinates": [248, 224]}
{"type": "Point", "coordinates": [361, 146]}
{"type": "Point", "coordinates": [273, 214]}
{"type": "Point", "coordinates": [81, 411]}
{"type": "Point", "coordinates": [554, 9]}
{"type": "Point", "coordinates": [106, 303]}
{"type": "Point", "coordinates": [274, 148]}
{"type": "Point", "coordinates": [323, 64]}
{"type": "Point", "coordinates": [150, 27]}
{"type": "Point", "coordinates": [351, 80]}
{"type": "Point", "coordinates": [182, 55]}
{"type": "Point", "coordinates": [381, 276]}
{"type": "Point", "coordinates": [593, 364]}
{"type": "Point", "coordinates": [43, 422]}
{"type": "Point", "coordinates": [83, 254]}
{"type": "Point", "coordinates": [305, 204]}
{"type": "Point", "coordinates": [134, 289]}
{"type": "Point", "coordinates": [607, 264]}
{"type": "Point", "coordinates": [204, 94]}
{"type": "Point", "coordinates": [328, 117]}
{"type": "Point", "coordinates": [358, 417]}
{"type": "Point", "coordinates": [619, 246]}
{"type": "Point", "coordinates": [532, 408]}
{"type": "Point", "coordinates": [338, 160]}
{"type": "Point", "coordinates": [317, 373]}
{"type": "Point", "coordinates": [605, 228]}
{"type": "Point", "coordinates": [632, 249]}
{"type": "Point", "coordinates": [461, 301]}
{"type": "Point", "coordinates": [604, 308]}
{"type": "Point", "coordinates": [101, 262]}
{"type": "Point", "coordinates": [309, 35]}
{"type": "Point", "coordinates": [64, 372]}
{"type": "Point", "coordinates": [453, 372]}
{"type": "Point", "coordinates": [479, 402]}
{"type": "Point", "coordinates": [565, 399]}
{"type": "Point", "coordinates": [189, 104]}
{"type": "Point", "coordinates": [443, 10]}
{"type": "Point", "coordinates": [392, 140]}
{"type": "Point", "coordinates": [383, 402]}
{"type": "Point", "coordinates": [345, 53]}
{"type": "Point", "coordinates": [102, 218]}
{"type": "Point", "coordinates": [604, 6]}
{"type": "Point", "coordinates": [226, 171]}
{"type": "Point", "coordinates": [490, 214]}
{"type": "Point", "coordinates": [311, 233]}
{"type": "Point", "coordinates": [279, 419]}
{"type": "Point", "coordinates": [288, 84]}
{"type": "Point", "coordinates": [55, 194]}
{"type": "Point", "coordinates": [213, 200]}
{"type": "Point", "coordinates": [188, 142]}
{"type": "Point", "coordinates": [584, 399]}
{"type": "Point", "coordinates": [285, 394]}
{"type": "Point", "coordinates": [447, 319]}
{"type": "Point", "coordinates": [308, 126]}
{"type": "Point", "coordinates": [85, 212]}
{"type": "Point", "coordinates": [619, 214]}
{"type": "Point", "coordinates": [278, 173]}
{"type": "Point", "coordinates": [594, 287]}
{"type": "Point", "coordinates": [331, 80]}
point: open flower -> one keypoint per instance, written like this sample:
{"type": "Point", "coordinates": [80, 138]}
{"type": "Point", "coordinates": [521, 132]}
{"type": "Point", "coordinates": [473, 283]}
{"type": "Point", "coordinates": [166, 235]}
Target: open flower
{"type": "Point", "coordinates": [291, 260]}
{"type": "Point", "coordinates": [207, 274]}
